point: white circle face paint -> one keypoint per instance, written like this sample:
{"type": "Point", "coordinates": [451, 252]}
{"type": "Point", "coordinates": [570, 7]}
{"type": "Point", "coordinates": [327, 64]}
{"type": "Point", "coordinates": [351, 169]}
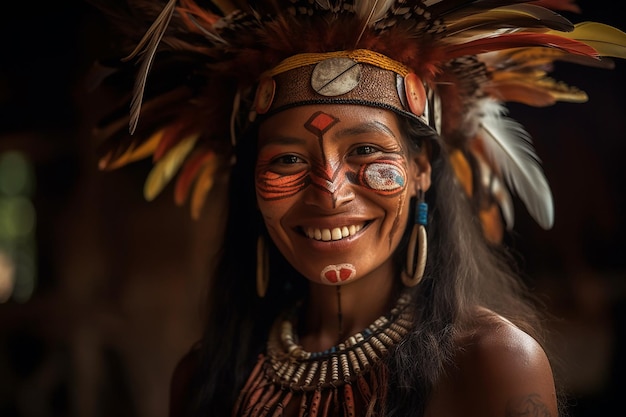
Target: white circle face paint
{"type": "Point", "coordinates": [336, 274]}
{"type": "Point", "coordinates": [384, 177]}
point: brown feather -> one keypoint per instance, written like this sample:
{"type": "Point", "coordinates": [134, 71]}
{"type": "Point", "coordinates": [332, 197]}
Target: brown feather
{"type": "Point", "coordinates": [199, 55]}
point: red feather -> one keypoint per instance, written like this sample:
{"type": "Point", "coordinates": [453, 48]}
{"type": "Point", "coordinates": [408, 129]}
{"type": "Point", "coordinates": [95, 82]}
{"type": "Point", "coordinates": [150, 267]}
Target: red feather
{"type": "Point", "coordinates": [569, 5]}
{"type": "Point", "coordinates": [172, 135]}
{"type": "Point", "coordinates": [517, 40]}
{"type": "Point", "coordinates": [194, 15]}
{"type": "Point", "coordinates": [188, 174]}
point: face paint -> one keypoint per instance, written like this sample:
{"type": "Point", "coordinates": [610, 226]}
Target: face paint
{"type": "Point", "coordinates": [319, 123]}
{"type": "Point", "coordinates": [333, 188]}
{"type": "Point", "coordinates": [387, 177]}
{"type": "Point", "coordinates": [336, 274]}
{"type": "Point", "coordinates": [323, 175]}
{"type": "Point", "coordinates": [273, 186]}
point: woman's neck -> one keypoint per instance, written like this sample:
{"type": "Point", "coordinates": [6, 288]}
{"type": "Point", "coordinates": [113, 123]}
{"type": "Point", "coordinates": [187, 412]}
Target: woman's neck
{"type": "Point", "coordinates": [333, 313]}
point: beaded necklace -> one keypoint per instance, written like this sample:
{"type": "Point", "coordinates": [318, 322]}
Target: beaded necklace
{"type": "Point", "coordinates": [323, 380]}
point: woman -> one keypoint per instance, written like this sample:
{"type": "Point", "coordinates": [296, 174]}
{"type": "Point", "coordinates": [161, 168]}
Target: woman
{"type": "Point", "coordinates": [460, 349]}
{"type": "Point", "coordinates": [367, 199]}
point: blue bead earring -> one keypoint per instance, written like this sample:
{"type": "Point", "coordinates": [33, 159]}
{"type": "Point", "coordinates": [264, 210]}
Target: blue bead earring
{"type": "Point", "coordinates": [417, 250]}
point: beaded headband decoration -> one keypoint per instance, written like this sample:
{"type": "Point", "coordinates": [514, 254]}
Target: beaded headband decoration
{"type": "Point", "coordinates": [359, 77]}
{"type": "Point", "coordinates": [207, 72]}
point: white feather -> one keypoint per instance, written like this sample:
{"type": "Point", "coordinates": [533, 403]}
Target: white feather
{"type": "Point", "coordinates": [510, 148]}
{"type": "Point", "coordinates": [214, 37]}
{"type": "Point", "coordinates": [324, 4]}
{"type": "Point", "coordinates": [499, 191]}
{"type": "Point", "coordinates": [373, 10]}
{"type": "Point", "coordinates": [147, 47]}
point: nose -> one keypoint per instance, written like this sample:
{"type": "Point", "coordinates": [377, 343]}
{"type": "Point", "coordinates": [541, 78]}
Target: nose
{"type": "Point", "coordinates": [329, 190]}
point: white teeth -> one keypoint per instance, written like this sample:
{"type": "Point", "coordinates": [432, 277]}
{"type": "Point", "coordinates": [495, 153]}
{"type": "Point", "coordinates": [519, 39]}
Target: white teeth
{"type": "Point", "coordinates": [336, 233]}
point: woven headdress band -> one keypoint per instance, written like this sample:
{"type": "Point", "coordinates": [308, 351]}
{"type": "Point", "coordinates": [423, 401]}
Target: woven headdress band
{"type": "Point", "coordinates": [359, 77]}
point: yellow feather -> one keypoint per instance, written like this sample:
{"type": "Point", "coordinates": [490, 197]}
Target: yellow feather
{"type": "Point", "coordinates": [491, 222]}
{"type": "Point", "coordinates": [561, 91]}
{"type": "Point", "coordinates": [164, 170]}
{"type": "Point", "coordinates": [523, 58]}
{"type": "Point", "coordinates": [607, 40]}
{"type": "Point", "coordinates": [462, 170]}
{"type": "Point", "coordinates": [538, 93]}
{"type": "Point", "coordinates": [136, 153]}
{"type": "Point", "coordinates": [537, 17]}
{"type": "Point", "coordinates": [532, 74]}
{"type": "Point", "coordinates": [529, 56]}
{"type": "Point", "coordinates": [203, 185]}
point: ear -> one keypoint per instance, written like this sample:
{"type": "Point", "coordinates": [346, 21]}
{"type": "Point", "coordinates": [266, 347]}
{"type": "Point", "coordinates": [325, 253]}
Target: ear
{"type": "Point", "coordinates": [422, 168]}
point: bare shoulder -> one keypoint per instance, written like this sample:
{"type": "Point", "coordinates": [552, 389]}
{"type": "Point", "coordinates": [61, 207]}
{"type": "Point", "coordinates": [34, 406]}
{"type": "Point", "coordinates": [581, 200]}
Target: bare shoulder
{"type": "Point", "coordinates": [499, 371]}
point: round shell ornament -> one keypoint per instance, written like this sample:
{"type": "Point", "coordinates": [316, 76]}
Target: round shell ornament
{"type": "Point", "coordinates": [335, 76]}
{"type": "Point", "coordinates": [264, 95]}
{"type": "Point", "coordinates": [415, 93]}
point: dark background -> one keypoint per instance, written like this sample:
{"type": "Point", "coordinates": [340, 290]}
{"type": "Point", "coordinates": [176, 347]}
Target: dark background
{"type": "Point", "coordinates": [119, 280]}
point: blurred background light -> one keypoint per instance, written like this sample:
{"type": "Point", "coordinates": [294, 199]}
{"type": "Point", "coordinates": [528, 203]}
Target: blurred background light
{"type": "Point", "coordinates": [18, 276]}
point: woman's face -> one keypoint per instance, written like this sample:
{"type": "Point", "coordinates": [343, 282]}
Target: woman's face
{"type": "Point", "coordinates": [333, 184]}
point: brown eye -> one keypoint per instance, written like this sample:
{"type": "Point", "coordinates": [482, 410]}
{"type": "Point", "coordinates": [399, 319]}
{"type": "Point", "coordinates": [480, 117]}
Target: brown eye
{"type": "Point", "coordinates": [288, 160]}
{"type": "Point", "coordinates": [365, 150]}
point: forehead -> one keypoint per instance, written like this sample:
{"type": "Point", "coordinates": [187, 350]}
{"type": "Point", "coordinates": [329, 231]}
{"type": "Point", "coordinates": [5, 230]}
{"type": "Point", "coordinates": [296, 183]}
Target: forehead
{"type": "Point", "coordinates": [320, 119]}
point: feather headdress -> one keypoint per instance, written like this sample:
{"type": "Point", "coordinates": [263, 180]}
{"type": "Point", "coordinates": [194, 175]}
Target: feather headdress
{"type": "Point", "coordinates": [198, 67]}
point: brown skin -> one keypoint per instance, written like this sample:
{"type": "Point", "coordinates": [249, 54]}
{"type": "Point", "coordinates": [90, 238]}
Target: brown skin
{"type": "Point", "coordinates": [499, 371]}
{"type": "Point", "coordinates": [318, 151]}
{"type": "Point", "coordinates": [323, 153]}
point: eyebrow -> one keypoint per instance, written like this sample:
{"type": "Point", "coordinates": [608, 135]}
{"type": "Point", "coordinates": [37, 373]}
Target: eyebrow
{"type": "Point", "coordinates": [370, 127]}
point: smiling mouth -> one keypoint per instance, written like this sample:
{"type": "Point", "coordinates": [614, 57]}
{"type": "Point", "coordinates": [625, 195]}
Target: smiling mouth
{"type": "Point", "coordinates": [336, 233]}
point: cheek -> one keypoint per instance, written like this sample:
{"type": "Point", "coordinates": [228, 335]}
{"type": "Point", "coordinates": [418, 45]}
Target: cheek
{"type": "Point", "coordinates": [275, 194]}
{"type": "Point", "coordinates": [271, 186]}
{"type": "Point", "coordinates": [383, 177]}
{"type": "Point", "coordinates": [388, 181]}
{"type": "Point", "coordinates": [272, 213]}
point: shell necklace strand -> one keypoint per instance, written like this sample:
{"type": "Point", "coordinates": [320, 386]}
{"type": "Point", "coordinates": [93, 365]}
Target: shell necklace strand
{"type": "Point", "coordinates": [323, 380]}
